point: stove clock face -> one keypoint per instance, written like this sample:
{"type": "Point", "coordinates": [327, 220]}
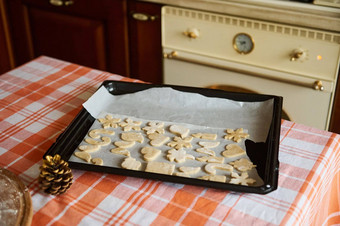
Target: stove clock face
{"type": "Point", "coordinates": [243, 43]}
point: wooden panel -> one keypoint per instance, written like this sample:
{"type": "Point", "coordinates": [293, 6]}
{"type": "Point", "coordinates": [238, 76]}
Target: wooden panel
{"type": "Point", "coordinates": [70, 38]}
{"type": "Point", "coordinates": [145, 42]}
{"type": "Point", "coordinates": [6, 57]}
{"type": "Point", "coordinates": [91, 33]}
{"type": "Point", "coordinates": [335, 118]}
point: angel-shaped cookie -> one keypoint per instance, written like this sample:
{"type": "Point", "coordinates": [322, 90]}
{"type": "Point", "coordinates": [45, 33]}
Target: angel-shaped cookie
{"type": "Point", "coordinates": [109, 121]}
{"type": "Point", "coordinates": [242, 164]}
{"type": "Point", "coordinates": [243, 179]}
{"type": "Point", "coordinates": [129, 124]}
{"type": "Point", "coordinates": [179, 155]}
{"type": "Point", "coordinates": [154, 127]}
{"type": "Point", "coordinates": [236, 135]}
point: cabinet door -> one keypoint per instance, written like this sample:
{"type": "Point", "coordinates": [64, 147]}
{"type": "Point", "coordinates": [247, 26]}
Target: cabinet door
{"type": "Point", "coordinates": [335, 118]}
{"type": "Point", "coordinates": [6, 57]}
{"type": "Point", "coordinates": [90, 33]}
{"type": "Point", "coordinates": [145, 41]}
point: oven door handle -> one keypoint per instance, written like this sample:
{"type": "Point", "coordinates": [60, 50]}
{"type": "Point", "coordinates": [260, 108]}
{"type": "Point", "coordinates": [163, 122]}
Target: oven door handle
{"type": "Point", "coordinates": [317, 84]}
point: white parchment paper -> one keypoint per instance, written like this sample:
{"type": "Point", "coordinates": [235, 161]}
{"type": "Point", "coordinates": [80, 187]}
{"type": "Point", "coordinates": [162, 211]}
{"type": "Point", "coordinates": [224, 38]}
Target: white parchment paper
{"type": "Point", "coordinates": [195, 111]}
{"type": "Point", "coordinates": [167, 104]}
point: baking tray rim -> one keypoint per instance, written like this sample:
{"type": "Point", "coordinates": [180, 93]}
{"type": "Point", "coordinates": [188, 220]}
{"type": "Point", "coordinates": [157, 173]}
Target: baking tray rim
{"type": "Point", "coordinates": [68, 141]}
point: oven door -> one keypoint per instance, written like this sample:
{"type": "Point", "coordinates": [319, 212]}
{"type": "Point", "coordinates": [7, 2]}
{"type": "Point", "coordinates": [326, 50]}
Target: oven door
{"type": "Point", "coordinates": [303, 102]}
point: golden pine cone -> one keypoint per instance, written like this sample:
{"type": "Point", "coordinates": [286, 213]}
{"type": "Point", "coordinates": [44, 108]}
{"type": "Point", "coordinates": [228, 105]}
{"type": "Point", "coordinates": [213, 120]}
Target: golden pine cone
{"type": "Point", "coordinates": [55, 176]}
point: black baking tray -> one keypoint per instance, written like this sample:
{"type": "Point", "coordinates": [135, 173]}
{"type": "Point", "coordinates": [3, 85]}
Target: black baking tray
{"type": "Point", "coordinates": [264, 154]}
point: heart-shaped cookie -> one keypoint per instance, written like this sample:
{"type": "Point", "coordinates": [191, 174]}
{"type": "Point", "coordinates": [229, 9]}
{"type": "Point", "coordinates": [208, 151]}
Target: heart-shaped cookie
{"type": "Point", "coordinates": [179, 130]}
{"type": "Point", "coordinates": [233, 150]}
{"type": "Point", "coordinates": [150, 153]}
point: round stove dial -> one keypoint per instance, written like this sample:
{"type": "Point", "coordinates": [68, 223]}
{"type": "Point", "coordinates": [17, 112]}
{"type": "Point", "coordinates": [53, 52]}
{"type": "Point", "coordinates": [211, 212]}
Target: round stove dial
{"type": "Point", "coordinates": [243, 43]}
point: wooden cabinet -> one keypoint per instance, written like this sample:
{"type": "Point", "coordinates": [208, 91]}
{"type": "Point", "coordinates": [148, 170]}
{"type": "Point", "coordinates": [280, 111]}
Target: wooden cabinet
{"type": "Point", "coordinates": [145, 41]}
{"type": "Point", "coordinates": [335, 118]}
{"type": "Point", "coordinates": [91, 33]}
{"type": "Point", "coordinates": [6, 58]}
{"type": "Point", "coordinates": [96, 34]}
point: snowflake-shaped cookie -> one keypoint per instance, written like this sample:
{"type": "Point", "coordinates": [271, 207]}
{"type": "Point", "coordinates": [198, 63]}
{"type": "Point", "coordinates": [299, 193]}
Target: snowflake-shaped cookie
{"type": "Point", "coordinates": [109, 121]}
{"type": "Point", "coordinates": [154, 127]}
{"type": "Point", "coordinates": [179, 143]}
{"type": "Point", "coordinates": [243, 179]}
{"type": "Point", "coordinates": [179, 155]}
{"type": "Point", "coordinates": [236, 135]}
{"type": "Point", "coordinates": [243, 164]}
{"type": "Point", "coordinates": [129, 124]}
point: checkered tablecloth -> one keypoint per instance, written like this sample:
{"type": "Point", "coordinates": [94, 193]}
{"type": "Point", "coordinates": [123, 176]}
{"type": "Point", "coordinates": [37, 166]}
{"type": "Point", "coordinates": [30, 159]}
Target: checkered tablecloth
{"type": "Point", "coordinates": [38, 101]}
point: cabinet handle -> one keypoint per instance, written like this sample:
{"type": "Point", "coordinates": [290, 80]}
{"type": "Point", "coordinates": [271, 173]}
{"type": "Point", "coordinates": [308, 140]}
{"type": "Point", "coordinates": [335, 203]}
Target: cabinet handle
{"type": "Point", "coordinates": [61, 2]}
{"type": "Point", "coordinates": [318, 85]}
{"type": "Point", "coordinates": [143, 17]}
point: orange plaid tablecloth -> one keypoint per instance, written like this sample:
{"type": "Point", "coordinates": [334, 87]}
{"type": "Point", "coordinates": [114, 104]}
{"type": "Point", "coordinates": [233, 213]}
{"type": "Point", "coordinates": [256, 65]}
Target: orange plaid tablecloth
{"type": "Point", "coordinates": [39, 100]}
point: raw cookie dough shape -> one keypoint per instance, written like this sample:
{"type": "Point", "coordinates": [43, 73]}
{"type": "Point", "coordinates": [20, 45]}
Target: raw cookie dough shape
{"type": "Point", "coordinates": [217, 178]}
{"type": "Point", "coordinates": [243, 179]}
{"type": "Point", "coordinates": [236, 135]}
{"type": "Point", "coordinates": [120, 151]}
{"type": "Point", "coordinates": [206, 151]}
{"type": "Point", "coordinates": [83, 155]}
{"type": "Point", "coordinates": [210, 159]}
{"type": "Point", "coordinates": [131, 163]}
{"type": "Point", "coordinates": [129, 125]}
{"type": "Point", "coordinates": [242, 164]}
{"type": "Point", "coordinates": [211, 167]}
{"type": "Point", "coordinates": [186, 171]}
{"type": "Point", "coordinates": [179, 130]}
{"type": "Point", "coordinates": [207, 144]}
{"type": "Point", "coordinates": [97, 161]}
{"type": "Point", "coordinates": [178, 155]}
{"type": "Point", "coordinates": [181, 174]}
{"type": "Point", "coordinates": [150, 153]}
{"type": "Point", "coordinates": [160, 167]}
{"type": "Point", "coordinates": [132, 136]}
{"type": "Point", "coordinates": [157, 139]}
{"type": "Point", "coordinates": [124, 144]}
{"type": "Point", "coordinates": [179, 143]}
{"type": "Point", "coordinates": [105, 141]}
{"type": "Point", "coordinates": [109, 121]}
{"type": "Point", "coordinates": [154, 127]}
{"type": "Point", "coordinates": [205, 136]}
{"type": "Point", "coordinates": [95, 132]}
{"type": "Point", "coordinates": [233, 150]}
{"type": "Point", "coordinates": [189, 169]}
{"type": "Point", "coordinates": [89, 148]}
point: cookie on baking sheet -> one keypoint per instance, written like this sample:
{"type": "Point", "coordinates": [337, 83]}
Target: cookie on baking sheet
{"type": "Point", "coordinates": [160, 167]}
{"type": "Point", "coordinates": [236, 135]}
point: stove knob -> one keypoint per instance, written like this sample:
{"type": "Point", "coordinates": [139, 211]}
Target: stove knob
{"type": "Point", "coordinates": [192, 33]}
{"type": "Point", "coordinates": [298, 54]}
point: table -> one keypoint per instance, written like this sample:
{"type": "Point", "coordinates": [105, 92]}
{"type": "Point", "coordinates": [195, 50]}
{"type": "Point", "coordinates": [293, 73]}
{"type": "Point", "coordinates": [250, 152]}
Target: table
{"type": "Point", "coordinates": [39, 100]}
